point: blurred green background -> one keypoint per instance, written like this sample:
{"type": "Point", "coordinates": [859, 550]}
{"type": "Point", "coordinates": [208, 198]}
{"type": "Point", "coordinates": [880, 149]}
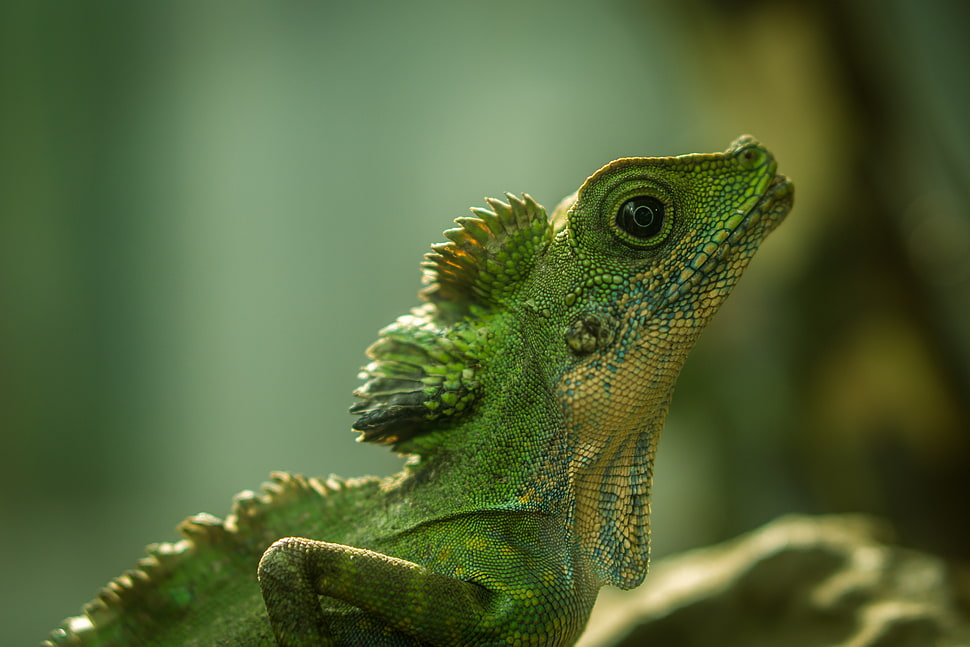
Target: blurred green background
{"type": "Point", "coordinates": [208, 209]}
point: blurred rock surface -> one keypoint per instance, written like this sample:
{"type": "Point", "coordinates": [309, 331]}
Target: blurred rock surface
{"type": "Point", "coordinates": [798, 581]}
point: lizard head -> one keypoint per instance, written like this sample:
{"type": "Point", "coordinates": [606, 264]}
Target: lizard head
{"type": "Point", "coordinates": [651, 247]}
{"type": "Point", "coordinates": [556, 343]}
{"type": "Point", "coordinates": [656, 228]}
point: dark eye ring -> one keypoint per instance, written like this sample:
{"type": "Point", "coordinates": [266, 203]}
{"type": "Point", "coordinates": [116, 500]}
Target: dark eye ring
{"type": "Point", "coordinates": [641, 217]}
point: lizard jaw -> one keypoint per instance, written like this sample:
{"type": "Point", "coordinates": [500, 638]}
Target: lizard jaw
{"type": "Point", "coordinates": [759, 219]}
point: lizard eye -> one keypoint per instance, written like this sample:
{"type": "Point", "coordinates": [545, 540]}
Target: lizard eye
{"type": "Point", "coordinates": [641, 217]}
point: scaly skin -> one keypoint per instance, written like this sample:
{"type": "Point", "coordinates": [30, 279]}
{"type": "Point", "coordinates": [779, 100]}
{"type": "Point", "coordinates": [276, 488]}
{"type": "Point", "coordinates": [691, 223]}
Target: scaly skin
{"type": "Point", "coordinates": [531, 389]}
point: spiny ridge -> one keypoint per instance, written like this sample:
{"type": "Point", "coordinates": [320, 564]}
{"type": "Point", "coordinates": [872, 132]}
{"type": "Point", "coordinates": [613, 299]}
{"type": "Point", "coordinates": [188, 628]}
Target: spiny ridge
{"type": "Point", "coordinates": [488, 253]}
{"type": "Point", "coordinates": [139, 594]}
{"type": "Point", "coordinates": [420, 374]}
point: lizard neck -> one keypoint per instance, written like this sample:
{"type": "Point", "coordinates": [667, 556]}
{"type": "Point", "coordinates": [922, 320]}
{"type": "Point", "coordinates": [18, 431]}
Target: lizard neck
{"type": "Point", "coordinates": [614, 413]}
{"type": "Point", "coordinates": [512, 454]}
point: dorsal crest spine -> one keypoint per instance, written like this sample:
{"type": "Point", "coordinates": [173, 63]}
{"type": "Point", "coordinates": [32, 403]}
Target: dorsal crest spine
{"type": "Point", "coordinates": [426, 364]}
{"type": "Point", "coordinates": [487, 253]}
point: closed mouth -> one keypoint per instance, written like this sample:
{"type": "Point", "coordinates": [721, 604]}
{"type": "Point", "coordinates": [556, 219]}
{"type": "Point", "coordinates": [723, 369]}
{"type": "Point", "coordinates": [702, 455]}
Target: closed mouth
{"type": "Point", "coordinates": [766, 214]}
{"type": "Point", "coordinates": [776, 202]}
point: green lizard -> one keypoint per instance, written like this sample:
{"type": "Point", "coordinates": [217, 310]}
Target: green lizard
{"type": "Point", "coordinates": [530, 390]}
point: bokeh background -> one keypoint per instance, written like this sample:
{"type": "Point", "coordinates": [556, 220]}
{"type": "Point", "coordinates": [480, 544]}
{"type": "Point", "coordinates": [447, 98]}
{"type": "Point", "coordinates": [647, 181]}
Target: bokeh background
{"type": "Point", "coordinates": [208, 209]}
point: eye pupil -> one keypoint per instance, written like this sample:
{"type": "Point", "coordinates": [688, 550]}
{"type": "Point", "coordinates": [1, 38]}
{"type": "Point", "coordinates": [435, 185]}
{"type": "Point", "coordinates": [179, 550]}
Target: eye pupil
{"type": "Point", "coordinates": [642, 217]}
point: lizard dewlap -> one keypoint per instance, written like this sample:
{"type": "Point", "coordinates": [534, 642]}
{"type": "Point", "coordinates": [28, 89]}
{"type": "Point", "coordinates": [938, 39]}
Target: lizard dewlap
{"type": "Point", "coordinates": [530, 388]}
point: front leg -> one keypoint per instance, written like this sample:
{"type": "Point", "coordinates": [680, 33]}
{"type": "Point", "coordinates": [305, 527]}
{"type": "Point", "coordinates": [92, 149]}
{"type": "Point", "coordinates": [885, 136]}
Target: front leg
{"type": "Point", "coordinates": [432, 607]}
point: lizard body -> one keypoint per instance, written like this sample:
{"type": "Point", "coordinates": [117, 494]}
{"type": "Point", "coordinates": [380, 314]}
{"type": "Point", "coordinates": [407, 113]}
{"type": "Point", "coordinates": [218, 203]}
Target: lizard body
{"type": "Point", "coordinates": [530, 390]}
